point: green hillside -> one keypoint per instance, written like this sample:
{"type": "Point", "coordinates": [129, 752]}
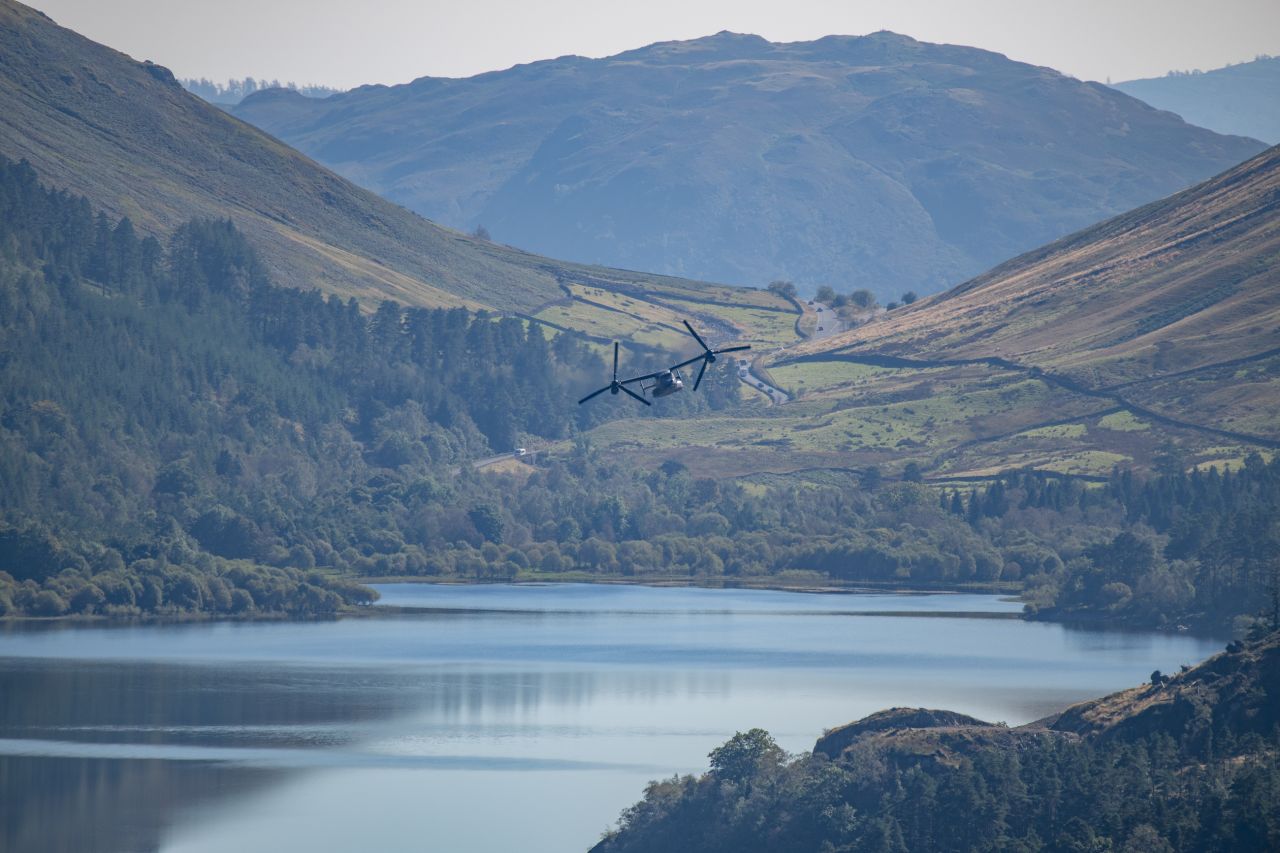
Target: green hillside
{"type": "Point", "coordinates": [128, 137]}
{"type": "Point", "coordinates": [1150, 339]}
{"type": "Point", "coordinates": [179, 434]}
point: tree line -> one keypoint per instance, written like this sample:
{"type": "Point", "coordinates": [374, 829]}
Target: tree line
{"type": "Point", "coordinates": [168, 402]}
{"type": "Point", "coordinates": [166, 409]}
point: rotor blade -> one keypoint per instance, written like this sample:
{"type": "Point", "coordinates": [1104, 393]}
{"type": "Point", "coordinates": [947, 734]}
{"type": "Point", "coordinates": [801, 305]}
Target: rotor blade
{"type": "Point", "coordinates": [594, 394]}
{"type": "Point", "coordinates": [627, 390]}
{"type": "Point", "coordinates": [732, 349]}
{"type": "Point", "coordinates": [640, 378]}
{"type": "Point", "coordinates": [696, 336]}
{"type": "Point", "coordinates": [701, 371]}
{"type": "Point", "coordinates": [615, 359]}
{"type": "Point", "coordinates": [702, 357]}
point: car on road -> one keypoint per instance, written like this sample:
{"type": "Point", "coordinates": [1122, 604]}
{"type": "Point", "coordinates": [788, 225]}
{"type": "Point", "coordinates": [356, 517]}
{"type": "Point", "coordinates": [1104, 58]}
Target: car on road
{"type": "Point", "coordinates": [519, 451]}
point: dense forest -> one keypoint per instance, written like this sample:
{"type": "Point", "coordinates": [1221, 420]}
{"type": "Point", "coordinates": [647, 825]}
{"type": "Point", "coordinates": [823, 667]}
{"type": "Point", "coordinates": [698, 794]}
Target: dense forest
{"type": "Point", "coordinates": [169, 416]}
{"type": "Point", "coordinates": [1189, 763]}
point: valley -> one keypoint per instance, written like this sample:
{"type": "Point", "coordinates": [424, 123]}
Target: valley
{"type": "Point", "coordinates": [161, 156]}
{"type": "Point", "coordinates": [310, 540]}
{"type": "Point", "coordinates": [876, 161]}
{"type": "Point", "coordinates": [1031, 364]}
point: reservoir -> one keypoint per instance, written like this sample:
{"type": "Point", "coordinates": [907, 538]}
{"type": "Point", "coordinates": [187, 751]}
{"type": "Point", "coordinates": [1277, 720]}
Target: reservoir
{"type": "Point", "coordinates": [486, 717]}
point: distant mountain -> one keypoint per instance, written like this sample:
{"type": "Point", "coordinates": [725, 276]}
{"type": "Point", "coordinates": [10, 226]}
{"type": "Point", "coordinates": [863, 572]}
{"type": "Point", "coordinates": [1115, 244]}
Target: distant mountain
{"type": "Point", "coordinates": [128, 137]}
{"type": "Point", "coordinates": [1242, 99]}
{"type": "Point", "coordinates": [875, 161]}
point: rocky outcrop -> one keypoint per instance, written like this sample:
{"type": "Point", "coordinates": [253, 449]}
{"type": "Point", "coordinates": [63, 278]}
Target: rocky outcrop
{"type": "Point", "coordinates": [1237, 691]}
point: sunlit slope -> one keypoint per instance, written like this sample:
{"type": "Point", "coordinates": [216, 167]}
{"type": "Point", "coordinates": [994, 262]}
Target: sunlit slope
{"type": "Point", "coordinates": [1180, 285]}
{"type": "Point", "coordinates": [1152, 339]}
{"type": "Point", "coordinates": [128, 137]}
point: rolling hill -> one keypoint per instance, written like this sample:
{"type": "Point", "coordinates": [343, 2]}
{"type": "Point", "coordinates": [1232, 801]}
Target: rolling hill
{"type": "Point", "coordinates": [1242, 99]}
{"type": "Point", "coordinates": [1168, 290]}
{"type": "Point", "coordinates": [128, 137]}
{"type": "Point", "coordinates": [876, 161]}
{"type": "Point", "coordinates": [1151, 339]}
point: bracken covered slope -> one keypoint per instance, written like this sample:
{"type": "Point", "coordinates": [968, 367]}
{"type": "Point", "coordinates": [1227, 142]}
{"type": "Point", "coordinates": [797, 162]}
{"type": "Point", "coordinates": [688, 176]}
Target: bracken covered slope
{"type": "Point", "coordinates": [1151, 338]}
{"type": "Point", "coordinates": [1175, 306]}
{"type": "Point", "coordinates": [128, 137]}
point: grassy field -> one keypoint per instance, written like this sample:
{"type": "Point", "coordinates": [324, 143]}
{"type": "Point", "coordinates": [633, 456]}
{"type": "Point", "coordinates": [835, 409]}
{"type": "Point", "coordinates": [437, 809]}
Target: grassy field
{"type": "Point", "coordinates": [758, 326]}
{"type": "Point", "coordinates": [609, 324]}
{"type": "Point", "coordinates": [654, 318]}
{"type": "Point", "coordinates": [1185, 326]}
{"type": "Point", "coordinates": [1123, 422]}
{"type": "Point", "coordinates": [956, 423]}
{"type": "Point", "coordinates": [1127, 344]}
{"type": "Point", "coordinates": [706, 293]}
{"type": "Point", "coordinates": [811, 376]}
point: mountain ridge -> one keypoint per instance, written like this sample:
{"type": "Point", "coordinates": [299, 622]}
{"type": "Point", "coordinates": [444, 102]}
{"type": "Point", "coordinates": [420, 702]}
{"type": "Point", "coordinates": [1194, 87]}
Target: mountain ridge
{"type": "Point", "coordinates": [127, 136]}
{"type": "Point", "coordinates": [1238, 99]}
{"type": "Point", "coordinates": [850, 160]}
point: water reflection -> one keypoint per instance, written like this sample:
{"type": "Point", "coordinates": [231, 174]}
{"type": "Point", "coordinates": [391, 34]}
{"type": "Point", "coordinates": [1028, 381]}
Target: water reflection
{"type": "Point", "coordinates": [418, 729]}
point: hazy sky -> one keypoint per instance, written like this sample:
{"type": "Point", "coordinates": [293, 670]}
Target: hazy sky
{"type": "Point", "coordinates": [344, 43]}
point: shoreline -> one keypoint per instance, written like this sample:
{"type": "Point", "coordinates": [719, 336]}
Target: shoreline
{"type": "Point", "coordinates": [376, 611]}
{"type": "Point", "coordinates": [1006, 589]}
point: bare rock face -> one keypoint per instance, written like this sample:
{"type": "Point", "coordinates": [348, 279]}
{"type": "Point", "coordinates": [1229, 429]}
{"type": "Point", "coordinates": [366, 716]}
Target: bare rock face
{"type": "Point", "coordinates": [894, 721]}
{"type": "Point", "coordinates": [1237, 691]}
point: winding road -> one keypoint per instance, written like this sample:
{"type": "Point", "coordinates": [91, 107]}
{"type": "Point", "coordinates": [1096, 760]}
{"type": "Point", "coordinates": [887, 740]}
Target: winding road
{"type": "Point", "coordinates": [825, 323]}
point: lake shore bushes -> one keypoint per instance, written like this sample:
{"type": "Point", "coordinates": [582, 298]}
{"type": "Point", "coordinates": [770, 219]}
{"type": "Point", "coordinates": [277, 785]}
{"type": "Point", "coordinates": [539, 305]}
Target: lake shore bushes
{"type": "Point", "coordinates": [1189, 762]}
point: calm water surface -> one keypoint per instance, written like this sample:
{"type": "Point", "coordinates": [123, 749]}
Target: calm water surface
{"type": "Point", "coordinates": [507, 718]}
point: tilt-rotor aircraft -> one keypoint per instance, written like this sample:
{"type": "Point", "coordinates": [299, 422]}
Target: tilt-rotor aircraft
{"type": "Point", "coordinates": [663, 382]}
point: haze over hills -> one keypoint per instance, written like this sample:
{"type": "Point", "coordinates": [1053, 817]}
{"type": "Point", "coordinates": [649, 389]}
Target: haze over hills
{"type": "Point", "coordinates": [1152, 336]}
{"type": "Point", "coordinates": [1242, 99]}
{"type": "Point", "coordinates": [875, 161]}
{"type": "Point", "coordinates": [128, 137]}
{"type": "Point", "coordinates": [1154, 329]}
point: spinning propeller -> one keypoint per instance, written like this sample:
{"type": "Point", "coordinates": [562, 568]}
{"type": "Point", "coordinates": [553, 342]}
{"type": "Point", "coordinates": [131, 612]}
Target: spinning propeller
{"type": "Point", "coordinates": [618, 385]}
{"type": "Point", "coordinates": [708, 355]}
